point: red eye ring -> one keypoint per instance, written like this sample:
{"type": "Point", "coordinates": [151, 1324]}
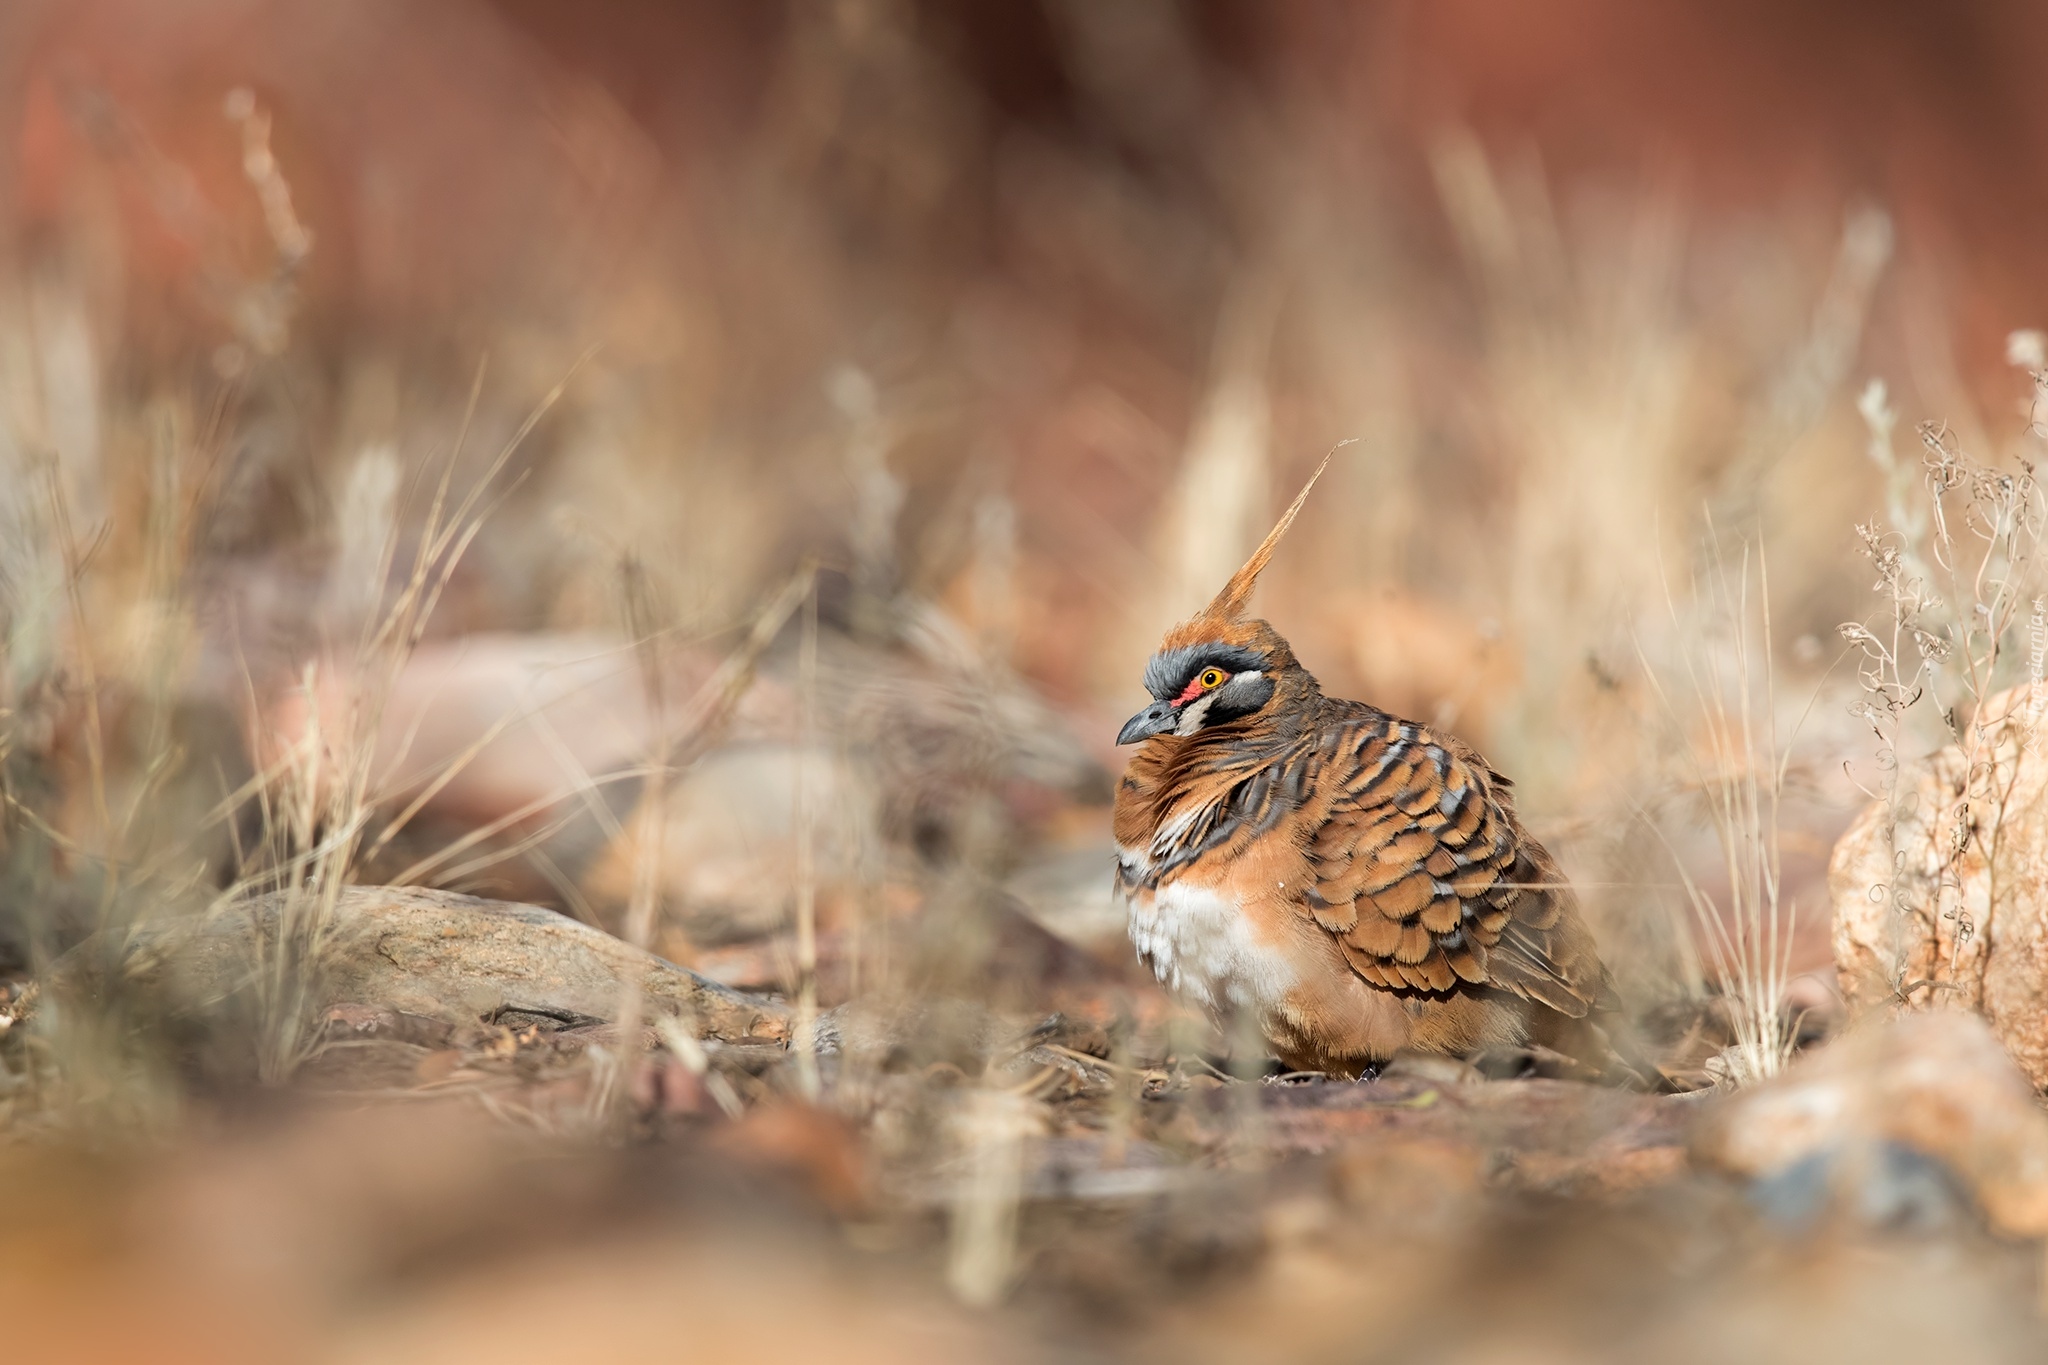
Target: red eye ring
{"type": "Point", "coordinates": [1208, 680]}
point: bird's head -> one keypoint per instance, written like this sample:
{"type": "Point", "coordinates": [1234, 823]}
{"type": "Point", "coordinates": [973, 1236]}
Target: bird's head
{"type": "Point", "coordinates": [1220, 665]}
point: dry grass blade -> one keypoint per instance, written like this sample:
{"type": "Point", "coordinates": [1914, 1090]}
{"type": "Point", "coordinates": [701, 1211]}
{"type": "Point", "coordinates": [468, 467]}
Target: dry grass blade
{"type": "Point", "coordinates": [1736, 764]}
{"type": "Point", "coordinates": [319, 813]}
{"type": "Point", "coordinates": [989, 1128]}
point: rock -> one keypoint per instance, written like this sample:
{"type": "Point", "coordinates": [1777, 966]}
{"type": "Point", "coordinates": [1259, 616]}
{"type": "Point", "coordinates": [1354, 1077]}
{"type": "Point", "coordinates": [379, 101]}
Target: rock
{"type": "Point", "coordinates": [1072, 893]}
{"type": "Point", "coordinates": [729, 848]}
{"type": "Point", "coordinates": [912, 747]}
{"type": "Point", "coordinates": [433, 955]}
{"type": "Point", "coordinates": [1919, 922]}
{"type": "Point", "coordinates": [1854, 1120]}
{"type": "Point", "coordinates": [537, 715]}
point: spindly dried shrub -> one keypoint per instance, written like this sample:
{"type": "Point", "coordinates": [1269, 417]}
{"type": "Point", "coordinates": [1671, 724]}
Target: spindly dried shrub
{"type": "Point", "coordinates": [1957, 580]}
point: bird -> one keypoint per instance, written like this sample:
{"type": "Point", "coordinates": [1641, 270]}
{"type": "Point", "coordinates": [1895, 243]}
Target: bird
{"type": "Point", "coordinates": [1356, 885]}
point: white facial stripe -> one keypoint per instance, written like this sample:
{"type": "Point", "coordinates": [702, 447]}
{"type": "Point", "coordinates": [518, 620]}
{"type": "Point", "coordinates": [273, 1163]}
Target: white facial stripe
{"type": "Point", "coordinates": [1191, 719]}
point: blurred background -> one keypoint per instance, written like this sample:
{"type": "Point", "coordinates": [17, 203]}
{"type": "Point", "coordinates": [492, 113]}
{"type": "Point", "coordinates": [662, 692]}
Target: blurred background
{"type": "Point", "coordinates": [1010, 326]}
{"type": "Point", "coordinates": [1028, 314]}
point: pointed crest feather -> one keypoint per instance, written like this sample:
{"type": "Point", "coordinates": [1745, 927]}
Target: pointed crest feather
{"type": "Point", "coordinates": [1230, 603]}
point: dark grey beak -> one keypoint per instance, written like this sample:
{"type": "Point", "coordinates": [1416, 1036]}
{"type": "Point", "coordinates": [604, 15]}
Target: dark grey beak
{"type": "Point", "coordinates": [1156, 719]}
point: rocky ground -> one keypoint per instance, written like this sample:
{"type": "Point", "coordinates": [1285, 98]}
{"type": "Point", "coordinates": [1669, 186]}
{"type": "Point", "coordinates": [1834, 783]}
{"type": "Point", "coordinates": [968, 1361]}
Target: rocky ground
{"type": "Point", "coordinates": [484, 1153]}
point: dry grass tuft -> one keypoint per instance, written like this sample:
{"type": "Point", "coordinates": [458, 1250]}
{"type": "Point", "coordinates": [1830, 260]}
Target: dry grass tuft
{"type": "Point", "coordinates": [1737, 766]}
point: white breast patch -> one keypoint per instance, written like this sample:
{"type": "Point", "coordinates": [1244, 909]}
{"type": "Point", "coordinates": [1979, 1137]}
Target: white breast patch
{"type": "Point", "coordinates": [1202, 948]}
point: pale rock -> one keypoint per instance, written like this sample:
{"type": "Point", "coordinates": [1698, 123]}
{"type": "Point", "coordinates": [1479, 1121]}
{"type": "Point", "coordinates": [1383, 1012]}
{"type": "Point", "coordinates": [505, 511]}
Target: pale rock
{"type": "Point", "coordinates": [731, 831]}
{"type": "Point", "coordinates": [433, 954]}
{"type": "Point", "coordinates": [1935, 1083]}
{"type": "Point", "coordinates": [1919, 924]}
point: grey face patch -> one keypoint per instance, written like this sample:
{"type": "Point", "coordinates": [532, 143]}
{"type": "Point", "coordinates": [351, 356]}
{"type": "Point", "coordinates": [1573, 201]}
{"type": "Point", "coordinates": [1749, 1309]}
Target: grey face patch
{"type": "Point", "coordinates": [1243, 694]}
{"type": "Point", "coordinates": [1171, 670]}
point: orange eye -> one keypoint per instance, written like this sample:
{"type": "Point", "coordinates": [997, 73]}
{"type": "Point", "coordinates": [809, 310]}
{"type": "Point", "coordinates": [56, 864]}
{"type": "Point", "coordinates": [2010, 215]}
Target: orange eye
{"type": "Point", "coordinates": [1213, 677]}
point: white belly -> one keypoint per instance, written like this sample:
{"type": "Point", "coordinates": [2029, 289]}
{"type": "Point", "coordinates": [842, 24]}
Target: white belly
{"type": "Point", "coordinates": [1203, 949]}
